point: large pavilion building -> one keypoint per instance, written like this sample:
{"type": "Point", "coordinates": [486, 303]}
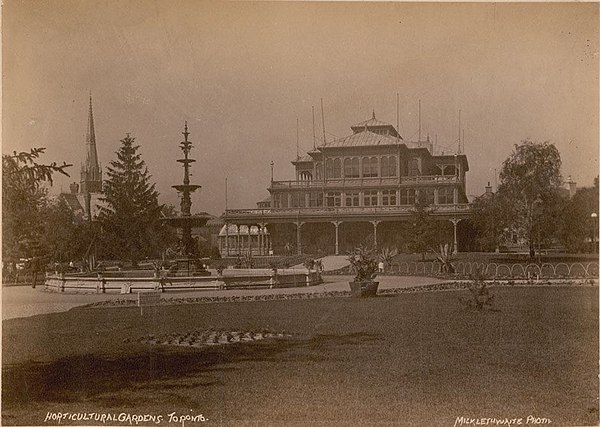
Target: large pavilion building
{"type": "Point", "coordinates": [361, 188]}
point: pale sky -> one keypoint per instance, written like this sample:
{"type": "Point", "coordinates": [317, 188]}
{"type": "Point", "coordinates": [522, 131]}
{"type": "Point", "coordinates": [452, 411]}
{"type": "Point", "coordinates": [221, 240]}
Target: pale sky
{"type": "Point", "coordinates": [241, 73]}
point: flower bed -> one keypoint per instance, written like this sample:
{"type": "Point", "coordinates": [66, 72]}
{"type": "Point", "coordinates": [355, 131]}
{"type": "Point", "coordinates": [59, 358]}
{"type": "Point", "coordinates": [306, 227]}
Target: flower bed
{"type": "Point", "coordinates": [446, 286]}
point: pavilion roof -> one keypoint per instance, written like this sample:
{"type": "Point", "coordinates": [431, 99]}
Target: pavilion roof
{"type": "Point", "coordinates": [372, 122]}
{"type": "Point", "coordinates": [365, 138]}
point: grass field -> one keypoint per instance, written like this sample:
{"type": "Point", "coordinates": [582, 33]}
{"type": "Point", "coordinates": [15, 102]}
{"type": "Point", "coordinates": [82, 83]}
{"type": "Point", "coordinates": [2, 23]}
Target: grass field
{"type": "Point", "coordinates": [412, 359]}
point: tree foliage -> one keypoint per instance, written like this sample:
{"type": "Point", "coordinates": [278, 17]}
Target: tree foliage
{"type": "Point", "coordinates": [576, 226]}
{"type": "Point", "coordinates": [66, 236]}
{"type": "Point", "coordinates": [424, 227]}
{"type": "Point", "coordinates": [528, 197]}
{"type": "Point", "coordinates": [24, 199]}
{"type": "Point", "coordinates": [490, 221]}
{"type": "Point", "coordinates": [130, 217]}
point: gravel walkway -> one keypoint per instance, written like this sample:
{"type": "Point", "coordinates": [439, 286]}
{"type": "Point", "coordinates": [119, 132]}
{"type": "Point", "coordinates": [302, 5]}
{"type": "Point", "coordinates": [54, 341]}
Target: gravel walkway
{"type": "Point", "coordinates": [24, 301]}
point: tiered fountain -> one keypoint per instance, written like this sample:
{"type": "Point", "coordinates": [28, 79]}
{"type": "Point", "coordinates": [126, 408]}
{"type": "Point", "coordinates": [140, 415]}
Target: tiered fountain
{"type": "Point", "coordinates": [188, 263]}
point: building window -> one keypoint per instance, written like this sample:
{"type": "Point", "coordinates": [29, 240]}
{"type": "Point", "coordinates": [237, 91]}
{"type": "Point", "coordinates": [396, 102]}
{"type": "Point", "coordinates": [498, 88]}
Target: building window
{"type": "Point", "coordinates": [404, 168]}
{"type": "Point", "coordinates": [388, 197]}
{"type": "Point", "coordinates": [277, 201]}
{"type": "Point", "coordinates": [388, 166]}
{"type": "Point", "coordinates": [333, 168]}
{"type": "Point", "coordinates": [305, 176]}
{"type": "Point", "coordinates": [370, 198]}
{"type": "Point", "coordinates": [445, 196]}
{"type": "Point", "coordinates": [370, 167]}
{"type": "Point", "coordinates": [428, 195]}
{"type": "Point", "coordinates": [284, 200]}
{"type": "Point", "coordinates": [315, 199]}
{"type": "Point", "coordinates": [319, 171]}
{"type": "Point", "coordinates": [337, 168]}
{"type": "Point", "coordinates": [407, 196]}
{"type": "Point", "coordinates": [334, 198]}
{"type": "Point", "coordinates": [352, 198]}
{"type": "Point", "coordinates": [414, 167]}
{"type": "Point", "coordinates": [351, 169]}
{"type": "Point", "coordinates": [298, 200]}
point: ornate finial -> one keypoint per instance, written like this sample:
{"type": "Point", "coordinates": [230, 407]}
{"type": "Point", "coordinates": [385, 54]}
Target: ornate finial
{"type": "Point", "coordinates": [186, 126]}
{"type": "Point", "coordinates": [373, 112]}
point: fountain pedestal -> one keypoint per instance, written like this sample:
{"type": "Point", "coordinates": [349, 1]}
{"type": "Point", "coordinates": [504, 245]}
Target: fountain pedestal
{"type": "Point", "coordinates": [188, 264]}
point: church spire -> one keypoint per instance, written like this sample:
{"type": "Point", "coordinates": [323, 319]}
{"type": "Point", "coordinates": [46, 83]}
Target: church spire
{"type": "Point", "coordinates": [90, 140]}
{"type": "Point", "coordinates": [91, 173]}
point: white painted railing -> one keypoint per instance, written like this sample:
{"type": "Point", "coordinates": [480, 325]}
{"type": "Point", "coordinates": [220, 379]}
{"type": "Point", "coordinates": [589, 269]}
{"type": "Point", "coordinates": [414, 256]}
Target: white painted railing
{"type": "Point", "coordinates": [362, 182]}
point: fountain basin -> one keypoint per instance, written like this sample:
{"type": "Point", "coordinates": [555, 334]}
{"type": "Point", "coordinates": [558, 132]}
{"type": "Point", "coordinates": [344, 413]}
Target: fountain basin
{"type": "Point", "coordinates": [230, 279]}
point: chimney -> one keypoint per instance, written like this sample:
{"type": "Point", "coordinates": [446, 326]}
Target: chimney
{"type": "Point", "coordinates": [488, 189]}
{"type": "Point", "coordinates": [572, 187]}
{"type": "Point", "coordinates": [74, 187]}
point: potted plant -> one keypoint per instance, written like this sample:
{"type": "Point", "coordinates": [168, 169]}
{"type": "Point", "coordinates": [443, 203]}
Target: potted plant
{"type": "Point", "coordinates": [363, 264]}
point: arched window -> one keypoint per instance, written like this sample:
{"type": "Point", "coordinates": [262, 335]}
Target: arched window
{"type": "Point", "coordinates": [392, 166]}
{"type": "Point", "coordinates": [337, 168]}
{"type": "Point", "coordinates": [414, 167]}
{"type": "Point", "coordinates": [351, 169]}
{"type": "Point", "coordinates": [347, 167]}
{"type": "Point", "coordinates": [370, 168]}
{"type": "Point", "coordinates": [388, 166]}
{"type": "Point", "coordinates": [384, 166]}
{"type": "Point", "coordinates": [329, 168]}
{"type": "Point", "coordinates": [305, 176]}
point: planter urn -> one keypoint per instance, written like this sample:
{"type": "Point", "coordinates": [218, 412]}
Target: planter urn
{"type": "Point", "coordinates": [364, 289]}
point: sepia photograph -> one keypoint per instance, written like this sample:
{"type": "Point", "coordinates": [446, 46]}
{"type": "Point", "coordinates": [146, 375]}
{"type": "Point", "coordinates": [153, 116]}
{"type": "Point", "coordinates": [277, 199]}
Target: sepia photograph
{"type": "Point", "coordinates": [300, 213]}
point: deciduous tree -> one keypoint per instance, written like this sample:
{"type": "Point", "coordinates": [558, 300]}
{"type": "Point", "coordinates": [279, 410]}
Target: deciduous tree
{"type": "Point", "coordinates": [576, 226]}
{"type": "Point", "coordinates": [528, 197]}
{"type": "Point", "coordinates": [23, 201]}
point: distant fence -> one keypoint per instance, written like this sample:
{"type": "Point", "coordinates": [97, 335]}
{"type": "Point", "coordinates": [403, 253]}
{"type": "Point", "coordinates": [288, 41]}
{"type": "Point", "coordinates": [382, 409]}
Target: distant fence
{"type": "Point", "coordinates": [24, 279]}
{"type": "Point", "coordinates": [492, 270]}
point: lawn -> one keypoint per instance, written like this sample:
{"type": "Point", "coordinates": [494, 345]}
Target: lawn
{"type": "Point", "coordinates": [410, 359]}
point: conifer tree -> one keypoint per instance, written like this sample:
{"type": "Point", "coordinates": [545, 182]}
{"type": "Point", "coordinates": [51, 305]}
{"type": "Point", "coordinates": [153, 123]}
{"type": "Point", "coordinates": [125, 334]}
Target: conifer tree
{"type": "Point", "coordinates": [423, 226]}
{"type": "Point", "coordinates": [130, 217]}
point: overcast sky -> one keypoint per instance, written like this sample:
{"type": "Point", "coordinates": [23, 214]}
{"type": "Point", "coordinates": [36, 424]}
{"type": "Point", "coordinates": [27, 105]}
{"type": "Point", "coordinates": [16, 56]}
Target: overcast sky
{"type": "Point", "coordinates": [241, 73]}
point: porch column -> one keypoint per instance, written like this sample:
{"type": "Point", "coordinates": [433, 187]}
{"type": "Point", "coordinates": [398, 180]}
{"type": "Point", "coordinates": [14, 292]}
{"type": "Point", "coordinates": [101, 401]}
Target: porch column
{"type": "Point", "coordinates": [455, 222]}
{"type": "Point", "coordinates": [227, 239]}
{"type": "Point", "coordinates": [239, 240]}
{"type": "Point", "coordinates": [337, 236]}
{"type": "Point", "coordinates": [263, 238]}
{"type": "Point", "coordinates": [375, 223]}
{"type": "Point", "coordinates": [298, 241]}
{"type": "Point", "coordinates": [250, 239]}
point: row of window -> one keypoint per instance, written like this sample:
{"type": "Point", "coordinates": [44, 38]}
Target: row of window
{"type": "Point", "coordinates": [365, 167]}
{"type": "Point", "coordinates": [408, 196]}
